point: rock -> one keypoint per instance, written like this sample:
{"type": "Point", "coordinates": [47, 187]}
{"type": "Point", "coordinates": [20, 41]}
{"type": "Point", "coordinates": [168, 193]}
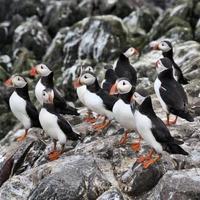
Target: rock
{"type": "Point", "coordinates": [66, 180]}
{"type": "Point", "coordinates": [54, 55]}
{"type": "Point", "coordinates": [113, 193]}
{"type": "Point", "coordinates": [26, 8]}
{"type": "Point", "coordinates": [197, 31]}
{"type": "Point", "coordinates": [99, 38]}
{"type": "Point", "coordinates": [183, 184]}
{"type": "Point", "coordinates": [32, 35]}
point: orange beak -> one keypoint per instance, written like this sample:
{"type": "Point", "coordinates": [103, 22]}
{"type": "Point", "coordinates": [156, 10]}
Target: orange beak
{"type": "Point", "coordinates": [8, 82]}
{"type": "Point", "coordinates": [50, 99]}
{"type": "Point", "coordinates": [137, 52]}
{"type": "Point", "coordinates": [33, 72]}
{"type": "Point", "coordinates": [156, 47]}
{"type": "Point", "coordinates": [76, 83]}
{"type": "Point", "coordinates": [156, 65]}
{"type": "Point", "coordinates": [113, 89]}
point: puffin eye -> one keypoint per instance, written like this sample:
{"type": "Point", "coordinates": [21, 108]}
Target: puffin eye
{"type": "Point", "coordinates": [85, 77]}
{"type": "Point", "coordinates": [42, 67]}
{"type": "Point", "coordinates": [124, 83]}
{"type": "Point", "coordinates": [18, 79]}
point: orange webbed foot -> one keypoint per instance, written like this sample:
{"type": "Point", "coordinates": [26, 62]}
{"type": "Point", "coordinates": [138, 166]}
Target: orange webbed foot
{"type": "Point", "coordinates": [21, 138]}
{"type": "Point", "coordinates": [54, 155]}
{"type": "Point", "coordinates": [136, 146]}
{"type": "Point", "coordinates": [148, 163]}
{"type": "Point", "coordinates": [124, 139]}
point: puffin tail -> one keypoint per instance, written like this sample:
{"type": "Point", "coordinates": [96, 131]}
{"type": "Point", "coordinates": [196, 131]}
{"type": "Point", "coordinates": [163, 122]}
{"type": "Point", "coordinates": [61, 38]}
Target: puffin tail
{"type": "Point", "coordinates": [182, 80]}
{"type": "Point", "coordinates": [188, 117]}
{"type": "Point", "coordinates": [173, 148]}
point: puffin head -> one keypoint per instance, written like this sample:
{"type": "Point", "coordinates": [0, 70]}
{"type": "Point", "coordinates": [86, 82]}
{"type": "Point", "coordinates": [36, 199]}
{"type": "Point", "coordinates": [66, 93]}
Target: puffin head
{"type": "Point", "coordinates": [48, 96]}
{"type": "Point", "coordinates": [130, 52]}
{"type": "Point", "coordinates": [86, 78]}
{"type": "Point", "coordinates": [163, 64]}
{"type": "Point", "coordinates": [121, 86]}
{"type": "Point", "coordinates": [164, 45]}
{"type": "Point", "coordinates": [40, 69]}
{"type": "Point", "coordinates": [89, 69]}
{"type": "Point", "coordinates": [16, 81]}
{"type": "Point", "coordinates": [137, 98]}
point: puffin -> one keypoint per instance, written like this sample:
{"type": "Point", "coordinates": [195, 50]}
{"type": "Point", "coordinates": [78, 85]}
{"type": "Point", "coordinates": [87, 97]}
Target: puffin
{"type": "Point", "coordinates": [121, 68]}
{"type": "Point", "coordinates": [167, 51]}
{"type": "Point", "coordinates": [46, 81]}
{"type": "Point", "coordinates": [54, 124]}
{"type": "Point", "coordinates": [80, 90]}
{"type": "Point", "coordinates": [170, 93]}
{"type": "Point", "coordinates": [122, 109]}
{"type": "Point", "coordinates": [21, 105]}
{"type": "Point", "coordinates": [153, 130]}
{"type": "Point", "coordinates": [96, 99]}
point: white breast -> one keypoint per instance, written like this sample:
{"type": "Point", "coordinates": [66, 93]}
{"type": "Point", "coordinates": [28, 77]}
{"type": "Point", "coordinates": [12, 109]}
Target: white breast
{"type": "Point", "coordinates": [49, 123]}
{"type": "Point", "coordinates": [18, 107]}
{"type": "Point", "coordinates": [157, 85]}
{"type": "Point", "coordinates": [144, 125]}
{"type": "Point", "coordinates": [80, 92]}
{"type": "Point", "coordinates": [38, 91]}
{"type": "Point", "coordinates": [123, 114]}
{"type": "Point", "coordinates": [95, 103]}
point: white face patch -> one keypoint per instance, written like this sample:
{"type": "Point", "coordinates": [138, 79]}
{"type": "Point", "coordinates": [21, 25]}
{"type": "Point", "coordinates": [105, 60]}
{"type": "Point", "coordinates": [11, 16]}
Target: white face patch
{"type": "Point", "coordinates": [43, 70]}
{"type": "Point", "coordinates": [163, 46]}
{"type": "Point", "coordinates": [130, 52]}
{"type": "Point", "coordinates": [87, 79]}
{"type": "Point", "coordinates": [124, 86]}
{"type": "Point", "coordinates": [18, 81]}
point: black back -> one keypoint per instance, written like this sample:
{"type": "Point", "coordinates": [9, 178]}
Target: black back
{"type": "Point", "coordinates": [172, 92]}
{"type": "Point", "coordinates": [60, 104]}
{"type": "Point", "coordinates": [110, 78]}
{"type": "Point", "coordinates": [178, 72]}
{"type": "Point", "coordinates": [30, 108]}
{"type": "Point", "coordinates": [125, 69]}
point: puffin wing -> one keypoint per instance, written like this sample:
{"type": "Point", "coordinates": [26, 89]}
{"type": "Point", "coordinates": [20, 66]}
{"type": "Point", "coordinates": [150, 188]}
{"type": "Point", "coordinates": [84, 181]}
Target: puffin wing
{"type": "Point", "coordinates": [173, 95]}
{"type": "Point", "coordinates": [33, 114]}
{"type": "Point", "coordinates": [67, 129]}
{"type": "Point", "coordinates": [161, 132]}
{"type": "Point", "coordinates": [179, 73]}
{"type": "Point", "coordinates": [108, 100]}
{"type": "Point", "coordinates": [61, 105]}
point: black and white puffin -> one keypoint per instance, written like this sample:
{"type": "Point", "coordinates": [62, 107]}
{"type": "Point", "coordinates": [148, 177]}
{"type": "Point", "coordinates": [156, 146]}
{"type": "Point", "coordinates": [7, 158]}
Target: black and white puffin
{"type": "Point", "coordinates": [46, 81]}
{"type": "Point", "coordinates": [55, 125]}
{"type": "Point", "coordinates": [80, 90]}
{"type": "Point", "coordinates": [153, 131]}
{"type": "Point", "coordinates": [170, 93]}
{"type": "Point", "coordinates": [122, 109]}
{"type": "Point", "coordinates": [21, 105]}
{"type": "Point", "coordinates": [167, 51]}
{"type": "Point", "coordinates": [96, 99]}
{"type": "Point", "coordinates": [121, 68]}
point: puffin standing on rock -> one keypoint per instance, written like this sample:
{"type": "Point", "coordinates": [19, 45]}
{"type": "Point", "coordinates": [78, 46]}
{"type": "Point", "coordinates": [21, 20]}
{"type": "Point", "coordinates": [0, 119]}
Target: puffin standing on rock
{"type": "Point", "coordinates": [21, 105]}
{"type": "Point", "coordinates": [54, 124]}
{"type": "Point", "coordinates": [121, 68]}
{"type": "Point", "coordinates": [80, 90]}
{"type": "Point", "coordinates": [122, 109]}
{"type": "Point", "coordinates": [170, 93]}
{"type": "Point", "coordinates": [153, 131]}
{"type": "Point", "coordinates": [46, 81]}
{"type": "Point", "coordinates": [167, 52]}
{"type": "Point", "coordinates": [96, 99]}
